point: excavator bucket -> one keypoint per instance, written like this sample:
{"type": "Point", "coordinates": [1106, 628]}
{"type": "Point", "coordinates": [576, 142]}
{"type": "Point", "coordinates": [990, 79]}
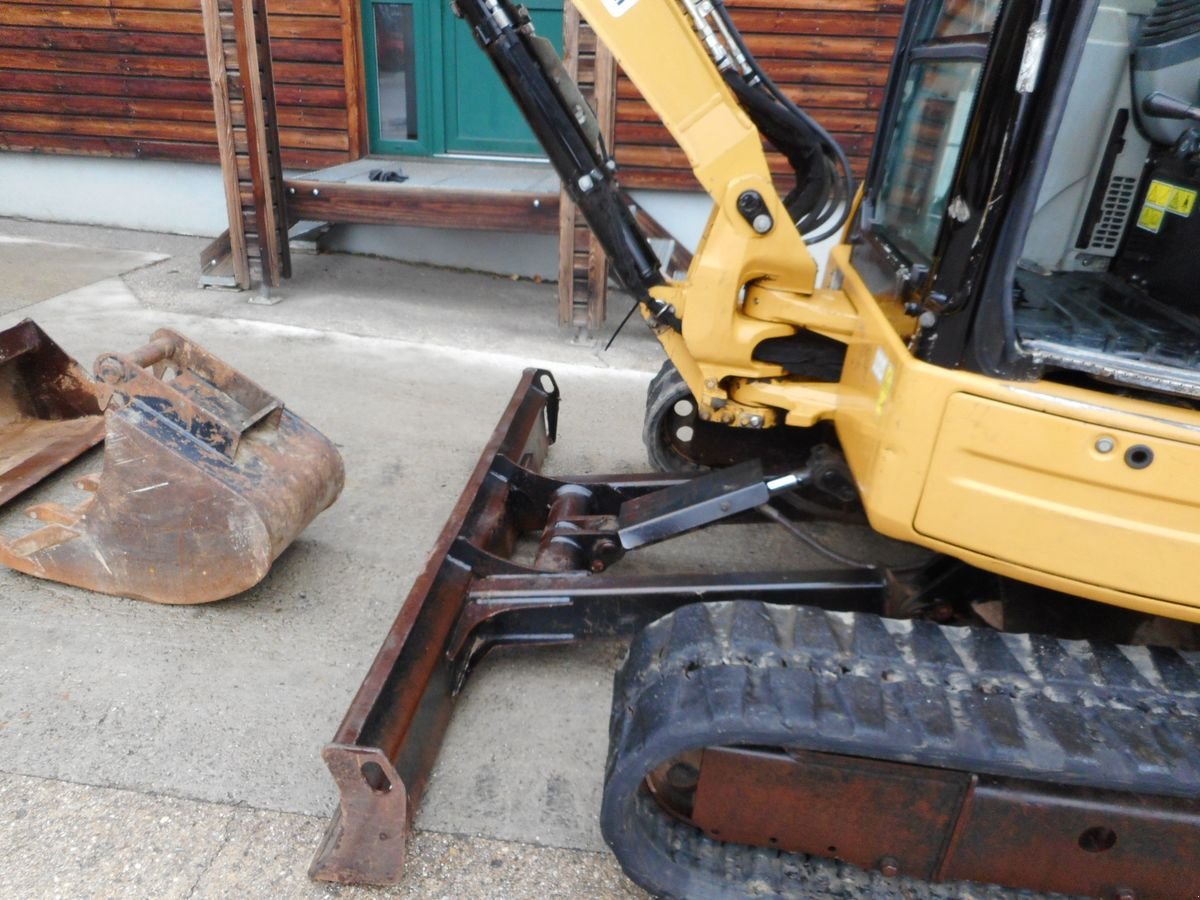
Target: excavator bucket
{"type": "Point", "coordinates": [50, 409]}
{"type": "Point", "coordinates": [206, 479]}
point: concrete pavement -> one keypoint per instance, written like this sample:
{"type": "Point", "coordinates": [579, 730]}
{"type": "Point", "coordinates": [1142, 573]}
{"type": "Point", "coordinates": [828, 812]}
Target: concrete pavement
{"type": "Point", "coordinates": [174, 751]}
{"type": "Point", "coordinates": [159, 751]}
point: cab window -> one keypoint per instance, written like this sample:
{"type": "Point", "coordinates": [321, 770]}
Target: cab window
{"type": "Point", "coordinates": [931, 118]}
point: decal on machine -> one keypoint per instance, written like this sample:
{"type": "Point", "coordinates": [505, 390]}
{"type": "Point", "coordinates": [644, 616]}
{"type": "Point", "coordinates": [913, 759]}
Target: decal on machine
{"type": "Point", "coordinates": [885, 374]}
{"type": "Point", "coordinates": [1163, 198]}
{"type": "Point", "coordinates": [618, 8]}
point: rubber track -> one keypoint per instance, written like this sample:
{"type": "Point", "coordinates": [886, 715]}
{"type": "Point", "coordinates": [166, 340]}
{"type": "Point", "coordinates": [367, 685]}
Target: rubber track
{"type": "Point", "coordinates": [750, 673]}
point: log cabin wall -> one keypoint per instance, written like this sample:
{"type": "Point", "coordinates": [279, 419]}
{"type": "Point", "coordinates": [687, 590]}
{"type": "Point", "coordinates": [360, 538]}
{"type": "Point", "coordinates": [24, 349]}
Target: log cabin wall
{"type": "Point", "coordinates": [128, 78]}
{"type": "Point", "coordinates": [831, 56]}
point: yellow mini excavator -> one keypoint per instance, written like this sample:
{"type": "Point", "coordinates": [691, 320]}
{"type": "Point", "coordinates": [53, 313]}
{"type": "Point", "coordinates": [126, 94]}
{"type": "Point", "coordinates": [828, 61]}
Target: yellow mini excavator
{"type": "Point", "coordinates": [1001, 369]}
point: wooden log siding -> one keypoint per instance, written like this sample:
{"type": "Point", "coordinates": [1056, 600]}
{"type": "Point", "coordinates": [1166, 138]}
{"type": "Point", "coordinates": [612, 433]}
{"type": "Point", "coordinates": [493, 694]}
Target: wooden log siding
{"type": "Point", "coordinates": [129, 78]}
{"type": "Point", "coordinates": [831, 56]}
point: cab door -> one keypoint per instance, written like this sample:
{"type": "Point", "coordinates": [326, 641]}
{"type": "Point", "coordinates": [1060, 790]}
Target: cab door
{"type": "Point", "coordinates": [924, 126]}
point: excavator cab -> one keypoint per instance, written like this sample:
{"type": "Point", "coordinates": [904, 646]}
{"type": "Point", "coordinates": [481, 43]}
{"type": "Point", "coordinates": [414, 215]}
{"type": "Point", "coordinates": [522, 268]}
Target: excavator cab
{"type": "Point", "coordinates": [999, 369]}
{"type": "Point", "coordinates": [1097, 141]}
{"type": "Point", "coordinates": [1021, 228]}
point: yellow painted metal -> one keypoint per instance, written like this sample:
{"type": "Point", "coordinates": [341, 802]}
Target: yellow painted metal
{"type": "Point", "coordinates": [804, 403]}
{"type": "Point", "coordinates": [654, 42]}
{"type": "Point", "coordinates": [1015, 483]}
{"type": "Point", "coordinates": [1003, 475]}
{"type": "Point", "coordinates": [924, 444]}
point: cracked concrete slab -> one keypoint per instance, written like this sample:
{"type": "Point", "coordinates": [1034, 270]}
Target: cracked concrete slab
{"type": "Point", "coordinates": [198, 697]}
{"type": "Point", "coordinates": [133, 737]}
{"type": "Point", "coordinates": [36, 270]}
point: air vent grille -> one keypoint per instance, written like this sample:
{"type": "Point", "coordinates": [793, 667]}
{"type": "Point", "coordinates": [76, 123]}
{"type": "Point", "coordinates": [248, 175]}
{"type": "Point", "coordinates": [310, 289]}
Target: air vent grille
{"type": "Point", "coordinates": [1170, 21]}
{"type": "Point", "coordinates": [1114, 214]}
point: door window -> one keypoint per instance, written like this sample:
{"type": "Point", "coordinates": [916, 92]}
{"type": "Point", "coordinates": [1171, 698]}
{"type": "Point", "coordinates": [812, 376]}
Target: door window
{"type": "Point", "coordinates": [920, 168]}
{"type": "Point", "coordinates": [960, 17]}
{"type": "Point", "coordinates": [395, 72]}
{"type": "Point", "coordinates": [431, 90]}
{"type": "Point", "coordinates": [929, 126]}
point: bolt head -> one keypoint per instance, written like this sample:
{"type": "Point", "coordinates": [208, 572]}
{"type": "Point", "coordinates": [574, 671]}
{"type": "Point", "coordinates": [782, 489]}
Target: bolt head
{"type": "Point", "coordinates": [763, 223]}
{"type": "Point", "coordinates": [1105, 445]}
{"type": "Point", "coordinates": [756, 421]}
{"type": "Point", "coordinates": [889, 866]}
{"type": "Point", "coordinates": [586, 183]}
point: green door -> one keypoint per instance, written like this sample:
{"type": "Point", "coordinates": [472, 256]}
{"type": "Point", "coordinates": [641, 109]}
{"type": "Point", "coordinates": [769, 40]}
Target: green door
{"type": "Point", "coordinates": [481, 116]}
{"type": "Point", "coordinates": [431, 90]}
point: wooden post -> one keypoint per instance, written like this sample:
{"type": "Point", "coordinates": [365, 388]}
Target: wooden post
{"type": "Point", "coordinates": [239, 63]}
{"type": "Point", "coordinates": [262, 138]}
{"type": "Point", "coordinates": [224, 262]}
{"type": "Point", "coordinates": [582, 262]}
{"type": "Point", "coordinates": [354, 78]}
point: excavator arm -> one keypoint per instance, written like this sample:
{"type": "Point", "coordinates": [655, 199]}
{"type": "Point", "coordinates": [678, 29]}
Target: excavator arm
{"type": "Point", "coordinates": [716, 104]}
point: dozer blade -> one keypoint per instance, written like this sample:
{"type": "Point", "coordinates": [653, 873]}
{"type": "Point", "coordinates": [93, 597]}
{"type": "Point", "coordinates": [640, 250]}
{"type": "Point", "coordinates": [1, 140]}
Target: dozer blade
{"type": "Point", "coordinates": [478, 591]}
{"type": "Point", "coordinates": [50, 409]}
{"type": "Point", "coordinates": [206, 479]}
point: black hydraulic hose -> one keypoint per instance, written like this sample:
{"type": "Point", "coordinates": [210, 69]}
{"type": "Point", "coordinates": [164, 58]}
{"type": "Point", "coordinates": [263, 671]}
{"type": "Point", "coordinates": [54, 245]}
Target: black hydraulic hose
{"type": "Point", "coordinates": [836, 202]}
{"type": "Point", "coordinates": [802, 151]}
{"type": "Point", "coordinates": [501, 32]}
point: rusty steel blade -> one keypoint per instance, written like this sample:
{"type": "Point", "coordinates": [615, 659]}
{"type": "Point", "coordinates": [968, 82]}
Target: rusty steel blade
{"type": "Point", "coordinates": [384, 748]}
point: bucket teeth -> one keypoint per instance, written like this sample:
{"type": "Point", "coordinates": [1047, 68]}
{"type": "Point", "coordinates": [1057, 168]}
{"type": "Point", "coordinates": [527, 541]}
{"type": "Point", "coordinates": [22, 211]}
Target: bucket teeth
{"type": "Point", "coordinates": [206, 478]}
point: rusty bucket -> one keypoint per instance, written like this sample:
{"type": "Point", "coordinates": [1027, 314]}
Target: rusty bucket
{"type": "Point", "coordinates": [206, 479]}
{"type": "Point", "coordinates": [50, 409]}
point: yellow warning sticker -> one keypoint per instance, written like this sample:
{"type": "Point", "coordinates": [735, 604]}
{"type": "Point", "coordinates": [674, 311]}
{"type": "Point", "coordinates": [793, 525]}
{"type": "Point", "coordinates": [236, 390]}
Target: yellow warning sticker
{"type": "Point", "coordinates": [1182, 202]}
{"type": "Point", "coordinates": [1151, 219]}
{"type": "Point", "coordinates": [1159, 194]}
{"type": "Point", "coordinates": [1170, 198]}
